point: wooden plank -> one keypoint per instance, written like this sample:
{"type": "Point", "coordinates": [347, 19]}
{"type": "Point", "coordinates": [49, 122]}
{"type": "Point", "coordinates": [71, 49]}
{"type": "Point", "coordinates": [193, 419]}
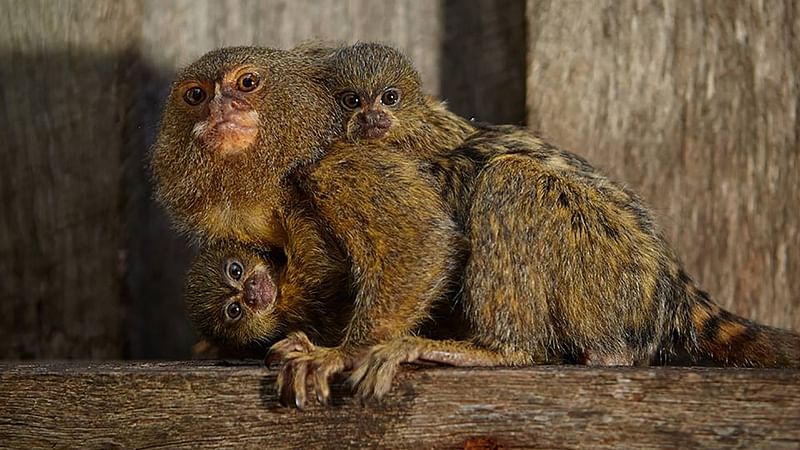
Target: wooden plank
{"type": "Point", "coordinates": [61, 236]}
{"type": "Point", "coordinates": [202, 404]}
{"type": "Point", "coordinates": [695, 104]}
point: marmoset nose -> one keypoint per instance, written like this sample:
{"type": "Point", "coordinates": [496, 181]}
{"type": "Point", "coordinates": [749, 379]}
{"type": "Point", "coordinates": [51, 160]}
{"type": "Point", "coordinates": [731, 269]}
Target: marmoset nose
{"type": "Point", "coordinates": [372, 118]}
{"type": "Point", "coordinates": [259, 291]}
{"type": "Point", "coordinates": [223, 104]}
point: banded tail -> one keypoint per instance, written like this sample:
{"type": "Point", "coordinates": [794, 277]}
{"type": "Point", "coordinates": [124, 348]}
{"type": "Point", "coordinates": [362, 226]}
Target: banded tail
{"type": "Point", "coordinates": [731, 340]}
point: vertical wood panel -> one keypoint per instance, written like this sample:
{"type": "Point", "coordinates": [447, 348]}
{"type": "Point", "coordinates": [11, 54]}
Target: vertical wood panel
{"type": "Point", "coordinates": [483, 59]}
{"type": "Point", "coordinates": [694, 104]}
{"type": "Point", "coordinates": [177, 32]}
{"type": "Point", "coordinates": [60, 178]}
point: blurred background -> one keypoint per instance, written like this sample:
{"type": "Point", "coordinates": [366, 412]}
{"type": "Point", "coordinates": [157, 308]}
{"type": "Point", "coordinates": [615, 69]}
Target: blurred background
{"type": "Point", "coordinates": [693, 104]}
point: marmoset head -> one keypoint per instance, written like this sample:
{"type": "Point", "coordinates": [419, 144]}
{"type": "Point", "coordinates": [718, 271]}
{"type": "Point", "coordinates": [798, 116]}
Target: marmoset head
{"type": "Point", "coordinates": [232, 293]}
{"type": "Point", "coordinates": [378, 90]}
{"type": "Point", "coordinates": [236, 122]}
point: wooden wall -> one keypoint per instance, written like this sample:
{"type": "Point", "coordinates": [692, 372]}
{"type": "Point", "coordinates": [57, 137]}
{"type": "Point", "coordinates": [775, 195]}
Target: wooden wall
{"type": "Point", "coordinates": [692, 103]}
{"type": "Point", "coordinates": [695, 105]}
{"type": "Point", "coordinates": [61, 227]}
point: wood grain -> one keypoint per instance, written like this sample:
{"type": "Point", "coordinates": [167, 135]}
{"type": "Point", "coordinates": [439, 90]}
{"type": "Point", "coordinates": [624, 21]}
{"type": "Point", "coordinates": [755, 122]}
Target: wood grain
{"type": "Point", "coordinates": [61, 237]}
{"type": "Point", "coordinates": [695, 105]}
{"type": "Point", "coordinates": [483, 59]}
{"type": "Point", "coordinates": [183, 405]}
{"type": "Point", "coordinates": [177, 32]}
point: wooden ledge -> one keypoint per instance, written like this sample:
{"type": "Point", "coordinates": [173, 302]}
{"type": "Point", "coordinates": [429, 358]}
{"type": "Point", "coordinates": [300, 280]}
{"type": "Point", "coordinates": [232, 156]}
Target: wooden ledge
{"type": "Point", "coordinates": [217, 404]}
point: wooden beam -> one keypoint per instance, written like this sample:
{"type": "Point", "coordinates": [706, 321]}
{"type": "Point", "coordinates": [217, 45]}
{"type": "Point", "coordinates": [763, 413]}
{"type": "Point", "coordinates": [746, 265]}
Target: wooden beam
{"type": "Point", "coordinates": [217, 404]}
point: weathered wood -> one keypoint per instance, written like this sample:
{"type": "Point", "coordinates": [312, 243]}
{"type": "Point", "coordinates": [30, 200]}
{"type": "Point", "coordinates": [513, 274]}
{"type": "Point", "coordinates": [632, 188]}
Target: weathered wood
{"type": "Point", "coordinates": [61, 237]}
{"type": "Point", "coordinates": [179, 31]}
{"type": "Point", "coordinates": [695, 104]}
{"type": "Point", "coordinates": [180, 405]}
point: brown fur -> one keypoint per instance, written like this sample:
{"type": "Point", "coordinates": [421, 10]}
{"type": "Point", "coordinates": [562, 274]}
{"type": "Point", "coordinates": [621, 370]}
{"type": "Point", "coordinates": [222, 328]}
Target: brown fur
{"type": "Point", "coordinates": [568, 265]}
{"type": "Point", "coordinates": [565, 265]}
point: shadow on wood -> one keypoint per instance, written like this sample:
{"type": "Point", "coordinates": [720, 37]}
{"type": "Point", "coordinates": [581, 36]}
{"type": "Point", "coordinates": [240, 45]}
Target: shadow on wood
{"type": "Point", "coordinates": [191, 404]}
{"type": "Point", "coordinates": [84, 251]}
{"type": "Point", "coordinates": [483, 59]}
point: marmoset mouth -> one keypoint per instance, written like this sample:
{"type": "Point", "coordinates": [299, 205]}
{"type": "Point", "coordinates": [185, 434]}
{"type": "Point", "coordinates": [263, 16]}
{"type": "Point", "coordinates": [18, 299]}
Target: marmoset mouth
{"type": "Point", "coordinates": [230, 134]}
{"type": "Point", "coordinates": [374, 132]}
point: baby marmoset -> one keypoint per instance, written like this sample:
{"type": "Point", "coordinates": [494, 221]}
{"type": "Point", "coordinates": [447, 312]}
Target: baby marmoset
{"type": "Point", "coordinates": [244, 153]}
{"type": "Point", "coordinates": [381, 99]}
{"type": "Point", "coordinates": [233, 290]}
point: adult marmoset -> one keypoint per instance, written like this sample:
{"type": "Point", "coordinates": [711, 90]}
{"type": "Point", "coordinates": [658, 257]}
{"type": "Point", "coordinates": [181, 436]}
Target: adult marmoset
{"type": "Point", "coordinates": [565, 264]}
{"type": "Point", "coordinates": [245, 153]}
